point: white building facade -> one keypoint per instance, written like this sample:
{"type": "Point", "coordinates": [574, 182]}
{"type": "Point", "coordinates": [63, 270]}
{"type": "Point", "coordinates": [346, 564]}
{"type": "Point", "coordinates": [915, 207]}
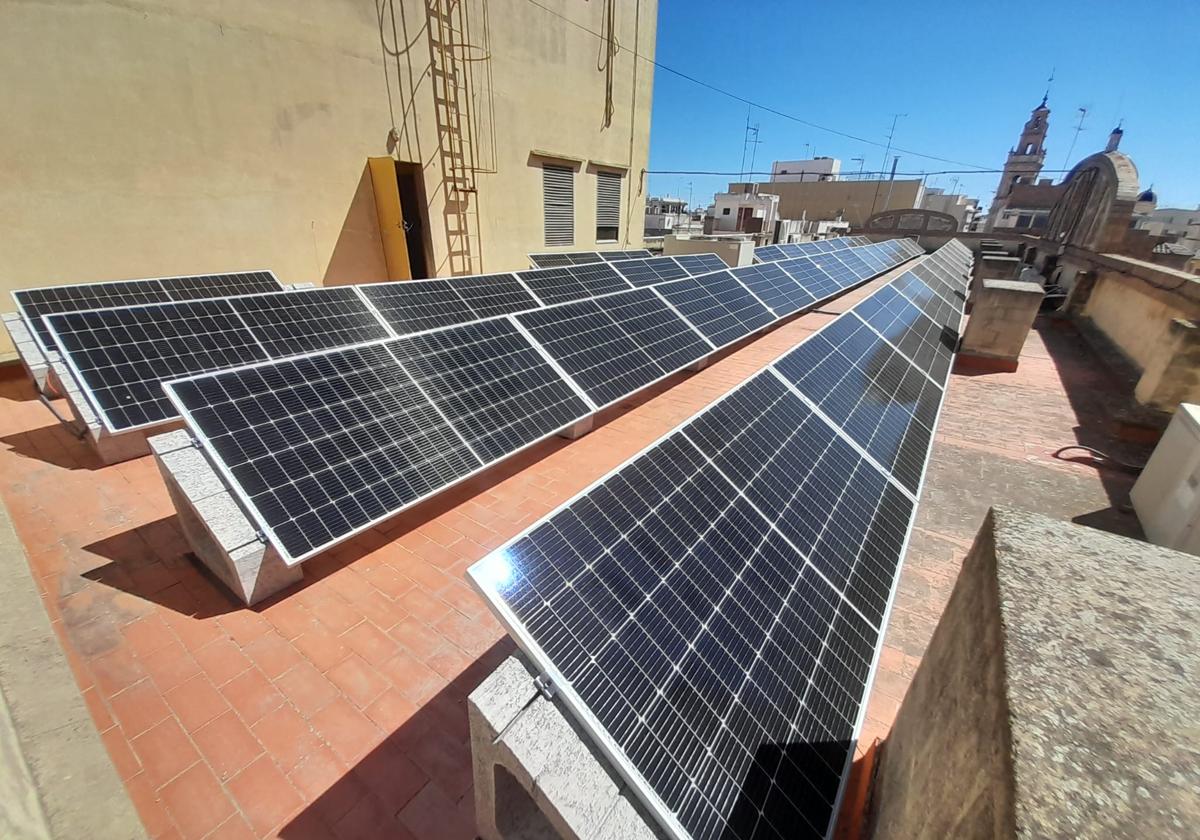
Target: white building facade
{"type": "Point", "coordinates": [813, 169]}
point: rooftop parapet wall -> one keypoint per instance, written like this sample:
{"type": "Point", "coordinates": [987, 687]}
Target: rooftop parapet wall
{"type": "Point", "coordinates": [1057, 694]}
{"type": "Point", "coordinates": [1148, 312]}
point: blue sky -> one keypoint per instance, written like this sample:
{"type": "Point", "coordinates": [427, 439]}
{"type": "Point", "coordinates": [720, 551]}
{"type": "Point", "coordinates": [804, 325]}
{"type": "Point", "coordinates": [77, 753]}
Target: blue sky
{"type": "Point", "coordinates": [966, 73]}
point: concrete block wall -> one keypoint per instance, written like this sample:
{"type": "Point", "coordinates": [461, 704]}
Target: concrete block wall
{"type": "Point", "coordinates": [1056, 697]}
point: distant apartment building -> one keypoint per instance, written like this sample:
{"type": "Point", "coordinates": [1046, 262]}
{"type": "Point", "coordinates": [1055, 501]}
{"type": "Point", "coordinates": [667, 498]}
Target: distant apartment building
{"type": "Point", "coordinates": [1176, 225]}
{"type": "Point", "coordinates": [744, 209]}
{"type": "Point", "coordinates": [356, 141]}
{"type": "Point", "coordinates": [852, 201]}
{"type": "Point", "coordinates": [961, 207]}
{"type": "Point", "coordinates": [664, 214]}
{"type": "Point", "coordinates": [813, 169]}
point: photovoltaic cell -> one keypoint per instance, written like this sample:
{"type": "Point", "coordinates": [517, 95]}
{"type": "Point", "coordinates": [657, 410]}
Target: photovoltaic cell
{"type": "Point", "coordinates": [556, 259]}
{"type": "Point", "coordinates": [774, 287]}
{"type": "Point", "coordinates": [578, 282]}
{"type": "Point", "coordinates": [491, 384]}
{"type": "Point", "coordinates": [490, 295]}
{"type": "Point", "coordinates": [720, 307]}
{"type": "Point", "coordinates": [322, 446]}
{"type": "Point", "coordinates": [301, 321]}
{"type": "Point", "coordinates": [617, 256]}
{"type": "Point", "coordinates": [814, 281]}
{"type": "Point", "coordinates": [648, 272]}
{"type": "Point", "coordinates": [123, 355]}
{"type": "Point", "coordinates": [769, 253]}
{"type": "Point", "coordinates": [415, 305]}
{"type": "Point", "coordinates": [697, 264]}
{"type": "Point", "coordinates": [842, 274]}
{"type": "Point", "coordinates": [869, 390]}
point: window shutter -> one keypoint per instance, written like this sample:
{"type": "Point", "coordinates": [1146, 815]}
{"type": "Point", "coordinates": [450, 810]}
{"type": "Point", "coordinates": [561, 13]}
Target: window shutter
{"type": "Point", "coordinates": [608, 205]}
{"type": "Point", "coordinates": [558, 203]}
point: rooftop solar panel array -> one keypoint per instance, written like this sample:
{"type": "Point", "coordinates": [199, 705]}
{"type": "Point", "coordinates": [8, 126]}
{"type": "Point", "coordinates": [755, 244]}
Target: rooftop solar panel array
{"type": "Point", "coordinates": [122, 359]}
{"type": "Point", "coordinates": [492, 386]}
{"type": "Point", "coordinates": [35, 303]}
{"type": "Point", "coordinates": [712, 610]}
{"type": "Point", "coordinates": [697, 264]}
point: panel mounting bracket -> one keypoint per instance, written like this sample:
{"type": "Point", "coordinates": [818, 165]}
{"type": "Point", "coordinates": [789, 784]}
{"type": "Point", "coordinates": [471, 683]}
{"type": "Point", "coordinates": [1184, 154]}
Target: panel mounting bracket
{"type": "Point", "coordinates": [545, 685]}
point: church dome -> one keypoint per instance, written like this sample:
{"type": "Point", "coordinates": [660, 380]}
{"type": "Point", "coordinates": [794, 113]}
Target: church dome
{"type": "Point", "coordinates": [1148, 195]}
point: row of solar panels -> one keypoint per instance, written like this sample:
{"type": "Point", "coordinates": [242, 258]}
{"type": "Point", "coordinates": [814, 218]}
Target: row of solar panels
{"type": "Point", "coordinates": [121, 356]}
{"type": "Point", "coordinates": [323, 446]}
{"type": "Point", "coordinates": [789, 251]}
{"type": "Point", "coordinates": [554, 259]}
{"type": "Point", "coordinates": [455, 300]}
{"type": "Point", "coordinates": [712, 610]}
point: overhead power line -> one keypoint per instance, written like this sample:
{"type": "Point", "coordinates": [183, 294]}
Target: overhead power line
{"type": "Point", "coordinates": [767, 108]}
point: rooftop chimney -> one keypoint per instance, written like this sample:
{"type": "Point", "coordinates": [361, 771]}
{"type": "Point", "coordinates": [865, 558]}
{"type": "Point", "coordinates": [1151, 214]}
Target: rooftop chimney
{"type": "Point", "coordinates": [1114, 139]}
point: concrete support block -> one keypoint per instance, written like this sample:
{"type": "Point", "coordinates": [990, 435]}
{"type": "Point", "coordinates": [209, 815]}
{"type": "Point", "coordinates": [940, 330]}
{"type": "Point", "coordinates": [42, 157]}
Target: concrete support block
{"type": "Point", "coordinates": [109, 448]}
{"type": "Point", "coordinates": [699, 364]}
{"type": "Point", "coordinates": [1172, 373]}
{"type": "Point", "coordinates": [993, 267]}
{"type": "Point", "coordinates": [220, 533]}
{"type": "Point", "coordinates": [1000, 321]}
{"type": "Point", "coordinates": [536, 775]}
{"type": "Point", "coordinates": [1056, 696]}
{"type": "Point", "coordinates": [579, 428]}
{"type": "Point", "coordinates": [300, 285]}
{"type": "Point", "coordinates": [36, 364]}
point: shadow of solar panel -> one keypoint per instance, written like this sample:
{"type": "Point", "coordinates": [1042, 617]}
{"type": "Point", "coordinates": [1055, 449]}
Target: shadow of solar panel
{"type": "Point", "coordinates": [697, 264]}
{"type": "Point", "coordinates": [874, 394]}
{"type": "Point", "coordinates": [36, 303]}
{"type": "Point", "coordinates": [577, 282]}
{"type": "Point", "coordinates": [416, 305]}
{"type": "Point", "coordinates": [906, 327]}
{"type": "Point", "coordinates": [122, 356]}
{"type": "Point", "coordinates": [774, 287]}
{"type": "Point", "coordinates": [717, 305]}
{"type": "Point", "coordinates": [650, 271]}
{"type": "Point", "coordinates": [490, 295]}
{"type": "Point", "coordinates": [491, 384]}
{"type": "Point", "coordinates": [291, 323]}
{"type": "Point", "coordinates": [220, 285]}
{"type": "Point", "coordinates": [323, 446]}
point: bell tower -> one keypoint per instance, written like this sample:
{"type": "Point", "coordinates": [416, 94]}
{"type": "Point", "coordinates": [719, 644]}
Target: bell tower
{"type": "Point", "coordinates": [1025, 160]}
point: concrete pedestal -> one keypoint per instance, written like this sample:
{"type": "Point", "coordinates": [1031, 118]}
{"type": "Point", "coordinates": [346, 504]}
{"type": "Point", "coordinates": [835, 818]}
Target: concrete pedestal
{"type": "Point", "coordinates": [1057, 697]}
{"type": "Point", "coordinates": [220, 534]}
{"type": "Point", "coordinates": [536, 776]}
{"type": "Point", "coordinates": [36, 364]}
{"type": "Point", "coordinates": [579, 428]}
{"type": "Point", "coordinates": [1000, 321]}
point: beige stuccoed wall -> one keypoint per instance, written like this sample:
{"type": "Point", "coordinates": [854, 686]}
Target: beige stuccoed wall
{"type": "Point", "coordinates": [1135, 315]}
{"type": "Point", "coordinates": [856, 200]}
{"type": "Point", "coordinates": [153, 137]}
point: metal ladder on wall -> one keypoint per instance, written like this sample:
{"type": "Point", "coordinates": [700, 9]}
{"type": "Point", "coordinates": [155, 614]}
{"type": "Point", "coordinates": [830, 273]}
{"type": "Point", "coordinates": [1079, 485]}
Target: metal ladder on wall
{"type": "Point", "coordinates": [452, 77]}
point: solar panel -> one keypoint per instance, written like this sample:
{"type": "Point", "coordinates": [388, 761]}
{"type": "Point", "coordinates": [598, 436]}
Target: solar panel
{"type": "Point", "coordinates": [835, 268]}
{"type": "Point", "coordinates": [769, 253]}
{"type": "Point", "coordinates": [717, 305]}
{"type": "Point", "coordinates": [489, 295]}
{"type": "Point", "coordinates": [648, 272]}
{"type": "Point", "coordinates": [617, 256]}
{"type": "Point", "coordinates": [812, 280]}
{"type": "Point", "coordinates": [697, 264]}
{"type": "Point", "coordinates": [556, 259]}
{"type": "Point", "coordinates": [415, 305]}
{"type": "Point", "coordinates": [219, 285]}
{"type": "Point", "coordinates": [491, 384]}
{"type": "Point", "coordinates": [938, 310]}
{"type": "Point", "coordinates": [121, 356]}
{"type": "Point", "coordinates": [320, 447]}
{"type": "Point", "coordinates": [937, 281]}
{"type": "Point", "coordinates": [614, 346]}
{"type": "Point", "coordinates": [861, 270]}
{"type": "Point", "coordinates": [35, 303]}
{"type": "Point", "coordinates": [869, 390]}
{"type": "Point", "coordinates": [930, 346]}
{"type": "Point", "coordinates": [577, 282]}
{"type": "Point", "coordinates": [301, 321]}
{"type": "Point", "coordinates": [774, 287]}
{"type": "Point", "coordinates": [726, 669]}
{"type": "Point", "coordinates": [877, 261]}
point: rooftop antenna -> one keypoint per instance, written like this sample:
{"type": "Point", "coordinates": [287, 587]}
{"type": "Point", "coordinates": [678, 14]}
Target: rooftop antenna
{"type": "Point", "coordinates": [1078, 128]}
{"type": "Point", "coordinates": [747, 142]}
{"type": "Point", "coordinates": [886, 152]}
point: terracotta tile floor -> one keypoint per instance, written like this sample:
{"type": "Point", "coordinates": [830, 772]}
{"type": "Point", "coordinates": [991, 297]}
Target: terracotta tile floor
{"type": "Point", "coordinates": [338, 708]}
